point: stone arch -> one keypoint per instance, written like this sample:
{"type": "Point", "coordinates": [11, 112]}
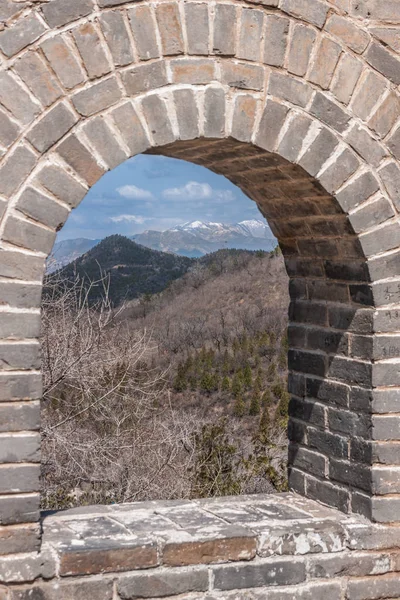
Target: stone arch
{"type": "Point", "coordinates": [297, 103]}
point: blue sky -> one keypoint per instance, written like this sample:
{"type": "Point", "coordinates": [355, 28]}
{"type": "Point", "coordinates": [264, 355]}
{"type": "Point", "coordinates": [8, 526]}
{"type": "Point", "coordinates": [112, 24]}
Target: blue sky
{"type": "Point", "coordinates": [156, 192]}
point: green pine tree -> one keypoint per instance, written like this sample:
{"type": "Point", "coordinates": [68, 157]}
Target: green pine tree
{"type": "Point", "coordinates": [247, 376]}
{"type": "Point", "coordinates": [239, 409]}
{"type": "Point", "coordinates": [226, 384]}
{"type": "Point", "coordinates": [255, 405]}
{"type": "Point", "coordinates": [237, 386]}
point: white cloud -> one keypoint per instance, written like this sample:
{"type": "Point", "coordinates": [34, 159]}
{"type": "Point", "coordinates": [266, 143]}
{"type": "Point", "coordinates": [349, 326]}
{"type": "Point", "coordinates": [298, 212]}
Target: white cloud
{"type": "Point", "coordinates": [139, 220]}
{"type": "Point", "coordinates": [132, 192]}
{"type": "Point", "coordinates": [194, 190]}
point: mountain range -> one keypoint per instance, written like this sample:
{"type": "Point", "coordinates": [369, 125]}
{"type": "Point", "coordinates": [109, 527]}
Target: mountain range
{"type": "Point", "coordinates": [193, 239]}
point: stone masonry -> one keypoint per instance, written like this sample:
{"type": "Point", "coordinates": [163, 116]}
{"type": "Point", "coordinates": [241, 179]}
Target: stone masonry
{"type": "Point", "coordinates": [298, 103]}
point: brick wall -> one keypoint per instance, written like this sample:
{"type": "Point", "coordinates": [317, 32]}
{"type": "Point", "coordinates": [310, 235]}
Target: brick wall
{"type": "Point", "coordinates": [295, 101]}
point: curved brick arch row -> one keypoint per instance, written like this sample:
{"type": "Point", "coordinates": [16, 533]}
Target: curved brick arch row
{"type": "Point", "coordinates": [297, 104]}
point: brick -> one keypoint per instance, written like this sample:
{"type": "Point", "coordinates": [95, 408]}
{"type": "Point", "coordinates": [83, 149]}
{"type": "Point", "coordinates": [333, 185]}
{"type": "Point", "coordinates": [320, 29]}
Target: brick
{"type": "Point", "coordinates": [187, 114]}
{"type": "Point", "coordinates": [354, 565]}
{"type": "Point", "coordinates": [58, 12]}
{"type": "Point", "coordinates": [214, 113]}
{"type": "Point", "coordinates": [329, 112]}
{"type": "Point", "coordinates": [301, 45]}
{"type": "Point", "coordinates": [9, 130]}
{"type": "Point", "coordinates": [386, 427]}
{"type": "Point", "coordinates": [19, 509]}
{"type": "Point", "coordinates": [325, 61]}
{"type": "Point", "coordinates": [394, 143]}
{"type": "Point", "coordinates": [15, 169]}
{"type": "Point", "coordinates": [225, 30]}
{"type": "Point", "coordinates": [19, 447]}
{"type": "Point", "coordinates": [60, 183]}
{"type": "Point", "coordinates": [79, 590]}
{"type": "Point", "coordinates": [385, 115]}
{"type": "Point", "coordinates": [334, 176]}
{"type": "Point", "coordinates": [97, 97]}
{"type": "Point", "coordinates": [63, 61]}
{"type": "Point", "coordinates": [387, 453]}
{"type": "Point", "coordinates": [16, 99]}
{"type": "Point", "coordinates": [26, 234]}
{"type": "Point", "coordinates": [390, 175]}
{"type": "Point", "coordinates": [374, 9]}
{"type": "Point", "coordinates": [307, 362]}
{"type": "Point", "coordinates": [244, 117]}
{"type": "Point", "coordinates": [144, 32]}
{"type": "Point", "coordinates": [365, 145]}
{"type": "Point", "coordinates": [290, 89]}
{"type": "Point", "coordinates": [21, 34]}
{"type": "Point", "coordinates": [193, 70]}
{"type": "Point", "coordinates": [367, 94]}
{"type": "Point", "coordinates": [92, 51]}
{"type": "Point", "coordinates": [349, 473]}
{"type": "Point", "coordinates": [385, 480]}
{"type": "Point", "coordinates": [357, 191]}
{"type": "Point", "coordinates": [318, 153]}
{"type": "Point", "coordinates": [35, 73]}
{"type": "Point", "coordinates": [361, 346]}
{"type": "Point", "coordinates": [276, 34]}
{"type": "Point", "coordinates": [312, 11]}
{"type": "Point", "coordinates": [271, 123]}
{"type": "Point", "coordinates": [197, 28]}
{"type": "Point", "coordinates": [19, 479]}
{"type": "Point", "coordinates": [80, 159]}
{"type": "Point", "coordinates": [381, 240]}
{"type": "Point", "coordinates": [384, 586]}
{"type": "Point", "coordinates": [19, 325]}
{"type": "Point", "coordinates": [130, 128]}
{"type": "Point", "coordinates": [385, 266]}
{"type": "Point", "coordinates": [387, 35]}
{"type": "Point", "coordinates": [355, 271]}
{"type": "Point", "coordinates": [144, 78]}
{"type": "Point", "coordinates": [26, 567]}
{"type": "Point", "coordinates": [352, 35]}
{"type": "Point", "coordinates": [236, 544]}
{"type": "Point", "coordinates": [17, 265]}
{"type": "Point", "coordinates": [117, 38]}
{"type": "Point", "coordinates": [103, 140]}
{"type": "Point", "coordinates": [292, 142]}
{"type": "Point", "coordinates": [162, 584]}
{"type": "Point", "coordinates": [307, 460]}
{"type": "Point", "coordinates": [308, 411]}
{"type": "Point", "coordinates": [52, 127]}
{"type": "Point", "coordinates": [385, 510]}
{"type": "Point", "coordinates": [273, 572]}
{"type": "Point", "coordinates": [384, 61]}
{"type": "Point", "coordinates": [18, 539]}
{"type": "Point", "coordinates": [330, 494]}
{"type": "Point", "coordinates": [170, 28]}
{"type": "Point", "coordinates": [250, 34]}
{"type": "Point", "coordinates": [243, 76]}
{"type": "Point", "coordinates": [385, 401]}
{"type": "Point", "coordinates": [308, 312]}
{"type": "Point", "coordinates": [346, 422]}
{"type": "Point", "coordinates": [156, 115]}
{"type": "Point", "coordinates": [19, 295]}
{"type": "Point", "coordinates": [347, 75]}
{"type": "Point", "coordinates": [107, 3]}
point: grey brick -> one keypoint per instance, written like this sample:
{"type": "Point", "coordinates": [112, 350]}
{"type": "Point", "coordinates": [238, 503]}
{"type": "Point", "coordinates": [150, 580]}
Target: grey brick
{"type": "Point", "coordinates": [387, 374]}
{"type": "Point", "coordinates": [355, 564]}
{"type": "Point", "coordinates": [385, 480]}
{"type": "Point", "coordinates": [394, 143]}
{"type": "Point", "coordinates": [163, 584]}
{"type": "Point", "coordinates": [301, 44]}
{"type": "Point", "coordinates": [224, 30]}
{"type": "Point", "coordinates": [318, 153]}
{"type": "Point", "coordinates": [385, 401]}
{"type": "Point", "coordinates": [170, 28]}
{"type": "Point", "coordinates": [42, 208]}
{"type": "Point", "coordinates": [376, 10]}
{"type": "Point", "coordinates": [329, 112]}
{"type": "Point", "coordinates": [356, 320]}
{"type": "Point", "coordinates": [312, 11]}
{"type": "Point", "coordinates": [54, 125]}
{"type": "Point", "coordinates": [352, 35]}
{"type": "Point", "coordinates": [35, 73]}
{"type": "Point", "coordinates": [20, 295]}
{"type": "Point", "coordinates": [347, 422]}
{"type": "Point", "coordinates": [276, 33]}
{"type": "Point", "coordinates": [386, 453]}
{"type": "Point", "coordinates": [103, 139]}
{"type": "Point", "coordinates": [28, 235]}
{"type": "Point", "coordinates": [80, 159]}
{"type": "Point", "coordinates": [9, 130]}
{"type": "Point", "coordinates": [155, 112]}
{"type": "Point", "coordinates": [290, 89]}
{"type": "Point", "coordinates": [19, 479]}
{"type": "Point", "coordinates": [312, 363]}
{"type": "Point", "coordinates": [308, 411]}
{"type": "Point", "coordinates": [349, 473]}
{"type": "Point", "coordinates": [358, 191]}
{"type": "Point", "coordinates": [366, 145]}
{"type": "Point", "coordinates": [251, 24]}
{"type": "Point", "coordinates": [385, 586]}
{"type": "Point", "coordinates": [193, 70]}
{"type": "Point", "coordinates": [385, 510]}
{"type": "Point", "coordinates": [273, 572]}
{"type": "Point", "coordinates": [325, 62]}
{"type": "Point", "coordinates": [63, 61]}
{"type": "Point", "coordinates": [27, 567]}
{"type": "Point", "coordinates": [59, 12]}
{"type": "Point", "coordinates": [16, 99]}
{"type": "Point", "coordinates": [243, 76]}
{"type": "Point", "coordinates": [19, 325]}
{"type": "Point", "coordinates": [20, 447]}
{"type": "Point", "coordinates": [79, 590]}
{"type": "Point", "coordinates": [15, 540]}
{"type": "Point", "coordinates": [307, 460]}
{"type": "Point", "coordinates": [92, 51]}
{"type": "Point", "coordinates": [271, 123]}
{"type": "Point", "coordinates": [145, 77]}
{"type": "Point", "coordinates": [384, 61]}
{"type": "Point", "coordinates": [97, 97]}
{"type": "Point", "coordinates": [381, 240]}
{"type": "Point", "coordinates": [15, 169]}
{"type": "Point", "coordinates": [390, 175]}
{"type": "Point", "coordinates": [19, 509]}
{"type": "Point", "coordinates": [336, 174]}
{"type": "Point", "coordinates": [116, 34]}
{"type": "Point", "coordinates": [143, 28]}
{"type": "Point", "coordinates": [20, 416]}
{"type": "Point", "coordinates": [197, 28]}
{"type": "Point", "coordinates": [17, 265]}
{"type": "Point", "coordinates": [60, 183]}
{"type": "Point", "coordinates": [292, 141]}
{"type": "Point", "coordinates": [187, 114]}
{"type": "Point", "coordinates": [328, 493]}
{"type": "Point", "coordinates": [21, 34]}
{"type": "Point", "coordinates": [130, 128]}
{"type": "Point", "coordinates": [244, 117]}
{"type": "Point", "coordinates": [214, 113]}
{"type": "Point", "coordinates": [350, 371]}
{"type": "Point", "coordinates": [367, 94]}
{"type": "Point", "coordinates": [385, 115]}
{"type": "Point", "coordinates": [346, 77]}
